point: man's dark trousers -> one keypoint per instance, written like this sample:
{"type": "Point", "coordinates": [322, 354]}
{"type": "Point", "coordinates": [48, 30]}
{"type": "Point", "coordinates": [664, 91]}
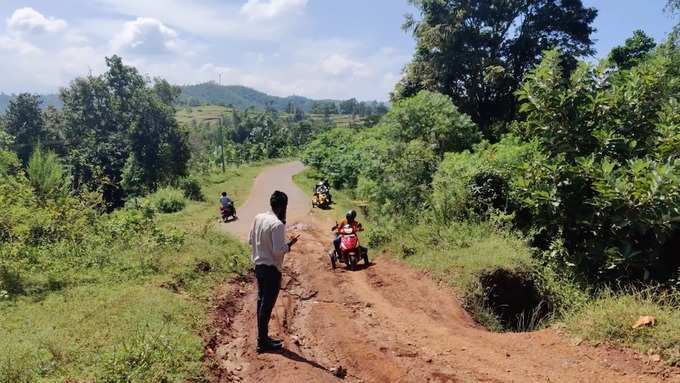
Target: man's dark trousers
{"type": "Point", "coordinates": [268, 286]}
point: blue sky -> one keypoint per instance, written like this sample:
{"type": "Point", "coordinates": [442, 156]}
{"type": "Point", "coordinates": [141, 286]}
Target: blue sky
{"type": "Point", "coordinates": [314, 48]}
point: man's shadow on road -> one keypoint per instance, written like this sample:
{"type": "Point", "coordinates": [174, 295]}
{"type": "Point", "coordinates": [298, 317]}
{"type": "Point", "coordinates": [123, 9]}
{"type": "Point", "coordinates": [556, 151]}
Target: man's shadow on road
{"type": "Point", "coordinates": [295, 357]}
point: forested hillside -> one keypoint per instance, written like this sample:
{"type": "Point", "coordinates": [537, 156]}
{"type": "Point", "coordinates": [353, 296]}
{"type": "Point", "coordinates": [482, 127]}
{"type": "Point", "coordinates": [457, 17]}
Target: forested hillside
{"type": "Point", "coordinates": [242, 97]}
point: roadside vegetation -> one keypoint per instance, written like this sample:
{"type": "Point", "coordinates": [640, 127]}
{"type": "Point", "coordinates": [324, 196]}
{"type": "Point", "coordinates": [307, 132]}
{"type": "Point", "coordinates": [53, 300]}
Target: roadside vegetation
{"type": "Point", "coordinates": [109, 248]}
{"type": "Point", "coordinates": [551, 195]}
{"type": "Point", "coordinates": [113, 297]}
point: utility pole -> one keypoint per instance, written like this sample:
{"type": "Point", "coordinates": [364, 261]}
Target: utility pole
{"type": "Point", "coordinates": [219, 77]}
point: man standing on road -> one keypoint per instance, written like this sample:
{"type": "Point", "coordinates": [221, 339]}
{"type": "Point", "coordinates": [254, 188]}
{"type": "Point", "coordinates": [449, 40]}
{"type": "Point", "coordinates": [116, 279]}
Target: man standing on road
{"type": "Point", "coordinates": [268, 241]}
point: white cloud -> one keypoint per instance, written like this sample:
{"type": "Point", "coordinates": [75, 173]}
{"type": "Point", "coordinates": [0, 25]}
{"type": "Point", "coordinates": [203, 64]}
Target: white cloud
{"type": "Point", "coordinates": [213, 18]}
{"type": "Point", "coordinates": [29, 20]}
{"type": "Point", "coordinates": [264, 44]}
{"type": "Point", "coordinates": [17, 45]}
{"type": "Point", "coordinates": [271, 9]}
{"type": "Point", "coordinates": [145, 36]}
{"type": "Point", "coordinates": [340, 65]}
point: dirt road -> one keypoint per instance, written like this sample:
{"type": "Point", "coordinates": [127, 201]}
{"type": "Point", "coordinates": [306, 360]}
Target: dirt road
{"type": "Point", "coordinates": [384, 323]}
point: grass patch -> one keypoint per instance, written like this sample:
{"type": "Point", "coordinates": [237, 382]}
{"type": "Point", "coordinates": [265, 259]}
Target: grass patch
{"type": "Point", "coordinates": [610, 317]}
{"type": "Point", "coordinates": [82, 332]}
{"type": "Point", "coordinates": [135, 315]}
{"type": "Point", "coordinates": [212, 114]}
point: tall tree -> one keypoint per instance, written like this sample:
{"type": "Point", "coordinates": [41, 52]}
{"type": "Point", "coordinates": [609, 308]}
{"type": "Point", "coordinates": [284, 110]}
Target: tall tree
{"type": "Point", "coordinates": [24, 122]}
{"type": "Point", "coordinates": [167, 93]}
{"type": "Point", "coordinates": [55, 141]}
{"type": "Point", "coordinates": [121, 135]}
{"type": "Point", "coordinates": [477, 52]}
{"type": "Point", "coordinates": [634, 50]}
{"type": "Point", "coordinates": [673, 7]}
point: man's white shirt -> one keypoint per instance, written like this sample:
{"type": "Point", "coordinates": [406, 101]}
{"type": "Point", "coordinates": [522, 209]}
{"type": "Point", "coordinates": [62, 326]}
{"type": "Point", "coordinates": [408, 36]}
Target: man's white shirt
{"type": "Point", "coordinates": [268, 240]}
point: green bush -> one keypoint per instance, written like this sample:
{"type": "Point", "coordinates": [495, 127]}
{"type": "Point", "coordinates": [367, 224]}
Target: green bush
{"type": "Point", "coordinates": [433, 118]}
{"type": "Point", "coordinates": [168, 200]}
{"type": "Point", "coordinates": [192, 189]}
{"type": "Point", "coordinates": [608, 191]}
{"type": "Point", "coordinates": [392, 163]}
{"type": "Point", "coordinates": [46, 174]}
{"type": "Point", "coordinates": [453, 185]}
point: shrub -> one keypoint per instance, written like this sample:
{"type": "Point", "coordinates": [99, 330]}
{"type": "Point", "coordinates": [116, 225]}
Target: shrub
{"type": "Point", "coordinates": [192, 189]}
{"type": "Point", "coordinates": [433, 118]}
{"type": "Point", "coordinates": [46, 174]}
{"type": "Point", "coordinates": [608, 190]}
{"type": "Point", "coordinates": [168, 200]}
{"type": "Point", "coordinates": [488, 190]}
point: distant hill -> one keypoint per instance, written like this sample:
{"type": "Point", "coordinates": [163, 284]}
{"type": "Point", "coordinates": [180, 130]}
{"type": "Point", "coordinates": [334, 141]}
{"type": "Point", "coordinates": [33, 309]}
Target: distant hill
{"type": "Point", "coordinates": [241, 97]}
{"type": "Point", "coordinates": [210, 93]}
{"type": "Point", "coordinates": [48, 100]}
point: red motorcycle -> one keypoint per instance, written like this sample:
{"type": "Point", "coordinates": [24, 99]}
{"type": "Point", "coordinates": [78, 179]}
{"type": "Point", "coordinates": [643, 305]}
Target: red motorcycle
{"type": "Point", "coordinates": [350, 250]}
{"type": "Point", "coordinates": [227, 212]}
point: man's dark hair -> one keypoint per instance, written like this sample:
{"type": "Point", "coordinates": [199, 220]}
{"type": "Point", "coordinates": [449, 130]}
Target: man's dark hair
{"type": "Point", "coordinates": [279, 199]}
{"type": "Point", "coordinates": [224, 194]}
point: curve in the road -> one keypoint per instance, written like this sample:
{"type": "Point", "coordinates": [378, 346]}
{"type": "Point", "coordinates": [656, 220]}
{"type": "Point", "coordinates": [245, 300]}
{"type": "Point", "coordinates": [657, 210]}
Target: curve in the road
{"type": "Point", "coordinates": [277, 177]}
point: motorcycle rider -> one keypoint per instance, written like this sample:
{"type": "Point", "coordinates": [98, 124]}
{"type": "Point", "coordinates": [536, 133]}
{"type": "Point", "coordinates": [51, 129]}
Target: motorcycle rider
{"type": "Point", "coordinates": [350, 219]}
{"type": "Point", "coordinates": [225, 201]}
{"type": "Point", "coordinates": [328, 190]}
{"type": "Point", "coordinates": [322, 187]}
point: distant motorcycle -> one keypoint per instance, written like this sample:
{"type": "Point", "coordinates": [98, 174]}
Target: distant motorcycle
{"type": "Point", "coordinates": [228, 212]}
{"type": "Point", "coordinates": [320, 200]}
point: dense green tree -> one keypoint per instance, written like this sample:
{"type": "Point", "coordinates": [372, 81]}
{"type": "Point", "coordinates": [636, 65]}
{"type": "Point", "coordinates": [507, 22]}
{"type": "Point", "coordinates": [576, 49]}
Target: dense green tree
{"type": "Point", "coordinates": [54, 126]}
{"type": "Point", "coordinates": [167, 93]}
{"type": "Point", "coordinates": [432, 118]}
{"type": "Point", "coordinates": [120, 135]}
{"type": "Point", "coordinates": [634, 50]}
{"type": "Point", "coordinates": [325, 107]}
{"type": "Point", "coordinates": [159, 150]}
{"type": "Point", "coordinates": [349, 106]}
{"type": "Point", "coordinates": [477, 52]}
{"type": "Point", "coordinates": [23, 121]}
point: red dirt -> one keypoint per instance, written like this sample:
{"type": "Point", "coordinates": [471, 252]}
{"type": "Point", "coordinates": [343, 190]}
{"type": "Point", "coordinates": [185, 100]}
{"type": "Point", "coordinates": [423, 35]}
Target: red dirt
{"type": "Point", "coordinates": [385, 323]}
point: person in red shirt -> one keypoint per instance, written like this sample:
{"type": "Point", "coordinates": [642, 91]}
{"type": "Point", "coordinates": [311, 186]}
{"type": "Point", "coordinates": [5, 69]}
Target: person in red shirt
{"type": "Point", "coordinates": [350, 219]}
